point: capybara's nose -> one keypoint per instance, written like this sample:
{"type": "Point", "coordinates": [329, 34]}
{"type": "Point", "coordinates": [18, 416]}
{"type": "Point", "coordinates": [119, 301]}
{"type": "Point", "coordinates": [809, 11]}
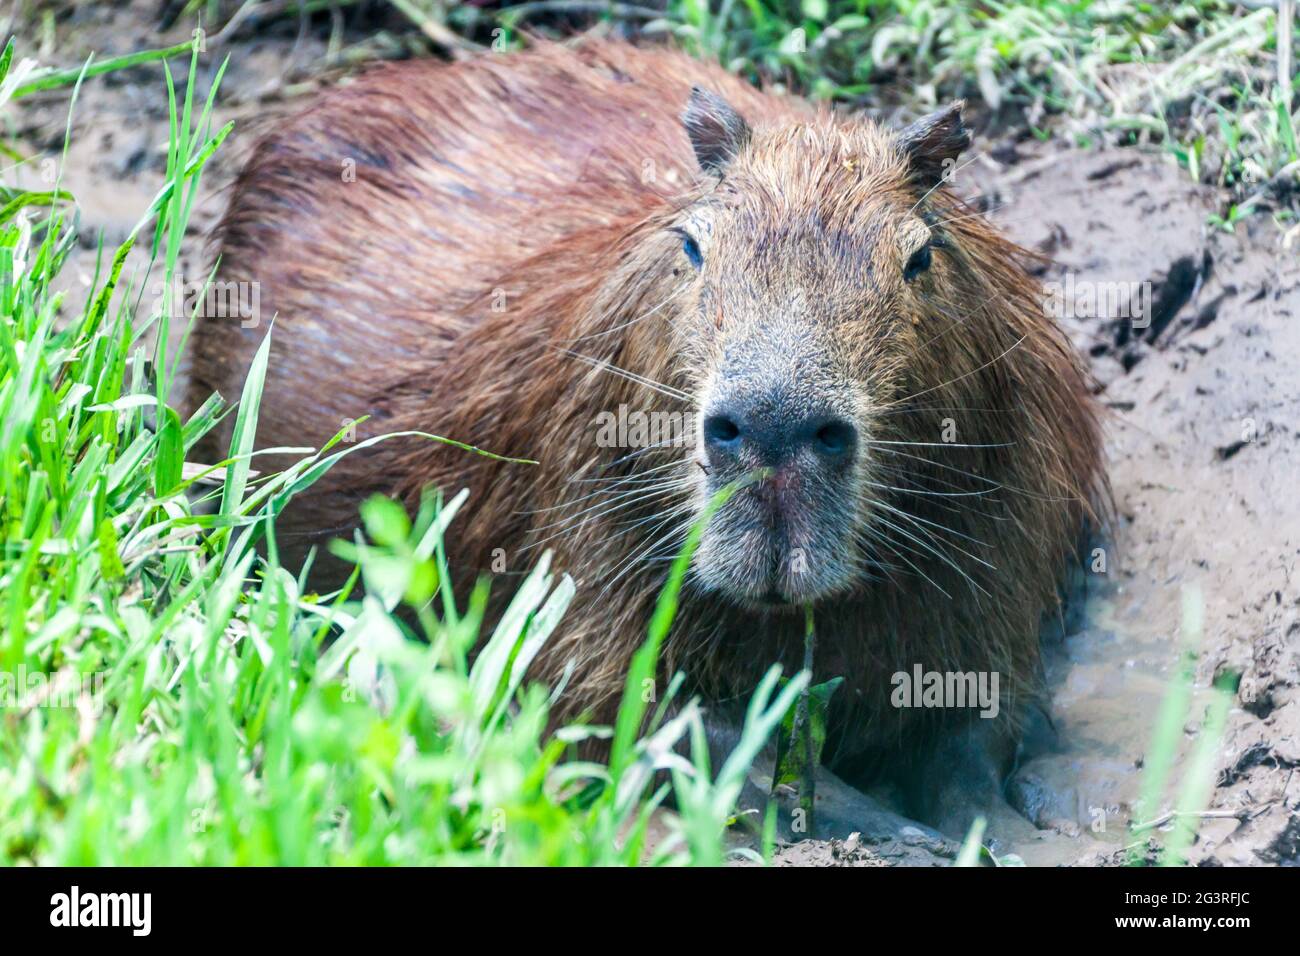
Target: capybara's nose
{"type": "Point", "coordinates": [753, 438]}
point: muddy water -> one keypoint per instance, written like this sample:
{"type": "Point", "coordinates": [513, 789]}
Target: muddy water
{"type": "Point", "coordinates": [1108, 680]}
{"type": "Point", "coordinates": [1201, 440]}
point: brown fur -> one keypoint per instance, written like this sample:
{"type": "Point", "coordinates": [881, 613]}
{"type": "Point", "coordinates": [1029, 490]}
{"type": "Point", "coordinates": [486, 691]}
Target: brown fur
{"type": "Point", "coordinates": [555, 175]}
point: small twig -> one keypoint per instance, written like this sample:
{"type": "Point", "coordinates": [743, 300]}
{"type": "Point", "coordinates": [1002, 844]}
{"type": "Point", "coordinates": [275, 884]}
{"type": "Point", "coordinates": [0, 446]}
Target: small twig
{"type": "Point", "coordinates": [1285, 18]}
{"type": "Point", "coordinates": [1277, 182]}
{"type": "Point", "coordinates": [438, 32]}
{"type": "Point", "coordinates": [272, 8]}
{"type": "Point", "coordinates": [247, 9]}
{"type": "Point", "coordinates": [803, 730]}
{"type": "Point", "coordinates": [1027, 170]}
{"type": "Point", "coordinates": [1173, 814]}
{"type": "Point", "coordinates": [624, 10]}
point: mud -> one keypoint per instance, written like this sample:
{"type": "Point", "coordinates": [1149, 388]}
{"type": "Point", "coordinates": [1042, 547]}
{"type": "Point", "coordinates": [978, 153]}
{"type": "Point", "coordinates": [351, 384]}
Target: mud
{"type": "Point", "coordinates": [1203, 453]}
{"type": "Point", "coordinates": [1202, 443]}
{"type": "Point", "coordinates": [115, 162]}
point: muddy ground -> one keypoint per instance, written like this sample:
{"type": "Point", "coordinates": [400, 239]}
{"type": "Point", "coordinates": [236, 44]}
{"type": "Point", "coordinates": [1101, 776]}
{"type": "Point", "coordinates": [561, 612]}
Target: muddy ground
{"type": "Point", "coordinates": [1202, 436]}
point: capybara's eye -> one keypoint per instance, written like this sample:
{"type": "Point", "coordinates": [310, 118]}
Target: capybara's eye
{"type": "Point", "coordinates": [919, 262]}
{"type": "Point", "coordinates": [692, 250]}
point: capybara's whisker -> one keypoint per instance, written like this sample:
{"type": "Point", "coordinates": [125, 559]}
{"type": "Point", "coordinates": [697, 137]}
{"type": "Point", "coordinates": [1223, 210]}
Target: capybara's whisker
{"type": "Point", "coordinates": [640, 451]}
{"type": "Point", "coordinates": [1011, 488]}
{"type": "Point", "coordinates": [611, 493]}
{"type": "Point", "coordinates": [941, 408]}
{"type": "Point", "coordinates": [618, 502]}
{"type": "Point", "coordinates": [932, 545]}
{"type": "Point", "coordinates": [974, 371]}
{"type": "Point", "coordinates": [955, 322]}
{"type": "Point", "coordinates": [976, 214]}
{"type": "Point", "coordinates": [988, 214]}
{"type": "Point", "coordinates": [937, 464]}
{"type": "Point", "coordinates": [916, 475]}
{"type": "Point", "coordinates": [605, 366]}
{"type": "Point", "coordinates": [942, 444]}
{"type": "Point", "coordinates": [938, 494]}
{"type": "Point", "coordinates": [640, 318]}
{"type": "Point", "coordinates": [676, 534]}
{"type": "Point", "coordinates": [893, 548]}
{"type": "Point", "coordinates": [947, 177]}
{"type": "Point", "coordinates": [637, 476]}
{"type": "Point", "coordinates": [918, 521]}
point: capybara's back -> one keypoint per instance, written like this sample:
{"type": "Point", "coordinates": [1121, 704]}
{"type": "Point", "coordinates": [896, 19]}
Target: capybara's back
{"type": "Point", "coordinates": [659, 282]}
{"type": "Point", "coordinates": [404, 209]}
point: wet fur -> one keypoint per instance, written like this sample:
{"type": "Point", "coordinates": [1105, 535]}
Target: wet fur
{"type": "Point", "coordinates": [556, 176]}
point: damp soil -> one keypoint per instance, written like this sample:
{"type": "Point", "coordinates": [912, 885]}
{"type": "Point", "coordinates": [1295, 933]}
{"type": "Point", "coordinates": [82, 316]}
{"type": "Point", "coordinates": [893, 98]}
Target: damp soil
{"type": "Point", "coordinates": [1202, 450]}
{"type": "Point", "coordinates": [1202, 409]}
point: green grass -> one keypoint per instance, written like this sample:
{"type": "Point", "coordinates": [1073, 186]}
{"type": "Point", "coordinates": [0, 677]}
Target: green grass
{"type": "Point", "coordinates": [1205, 81]}
{"type": "Point", "coordinates": [1168, 836]}
{"type": "Point", "coordinates": [1199, 79]}
{"type": "Point", "coordinates": [169, 694]}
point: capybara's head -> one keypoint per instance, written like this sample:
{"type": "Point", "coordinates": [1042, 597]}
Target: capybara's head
{"type": "Point", "coordinates": [815, 264]}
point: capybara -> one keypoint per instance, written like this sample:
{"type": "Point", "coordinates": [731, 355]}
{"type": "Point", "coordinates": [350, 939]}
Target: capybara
{"type": "Point", "coordinates": [561, 254]}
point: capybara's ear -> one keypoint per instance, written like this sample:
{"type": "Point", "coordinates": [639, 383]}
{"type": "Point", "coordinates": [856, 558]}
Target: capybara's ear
{"type": "Point", "coordinates": [717, 132]}
{"type": "Point", "coordinates": [933, 143]}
